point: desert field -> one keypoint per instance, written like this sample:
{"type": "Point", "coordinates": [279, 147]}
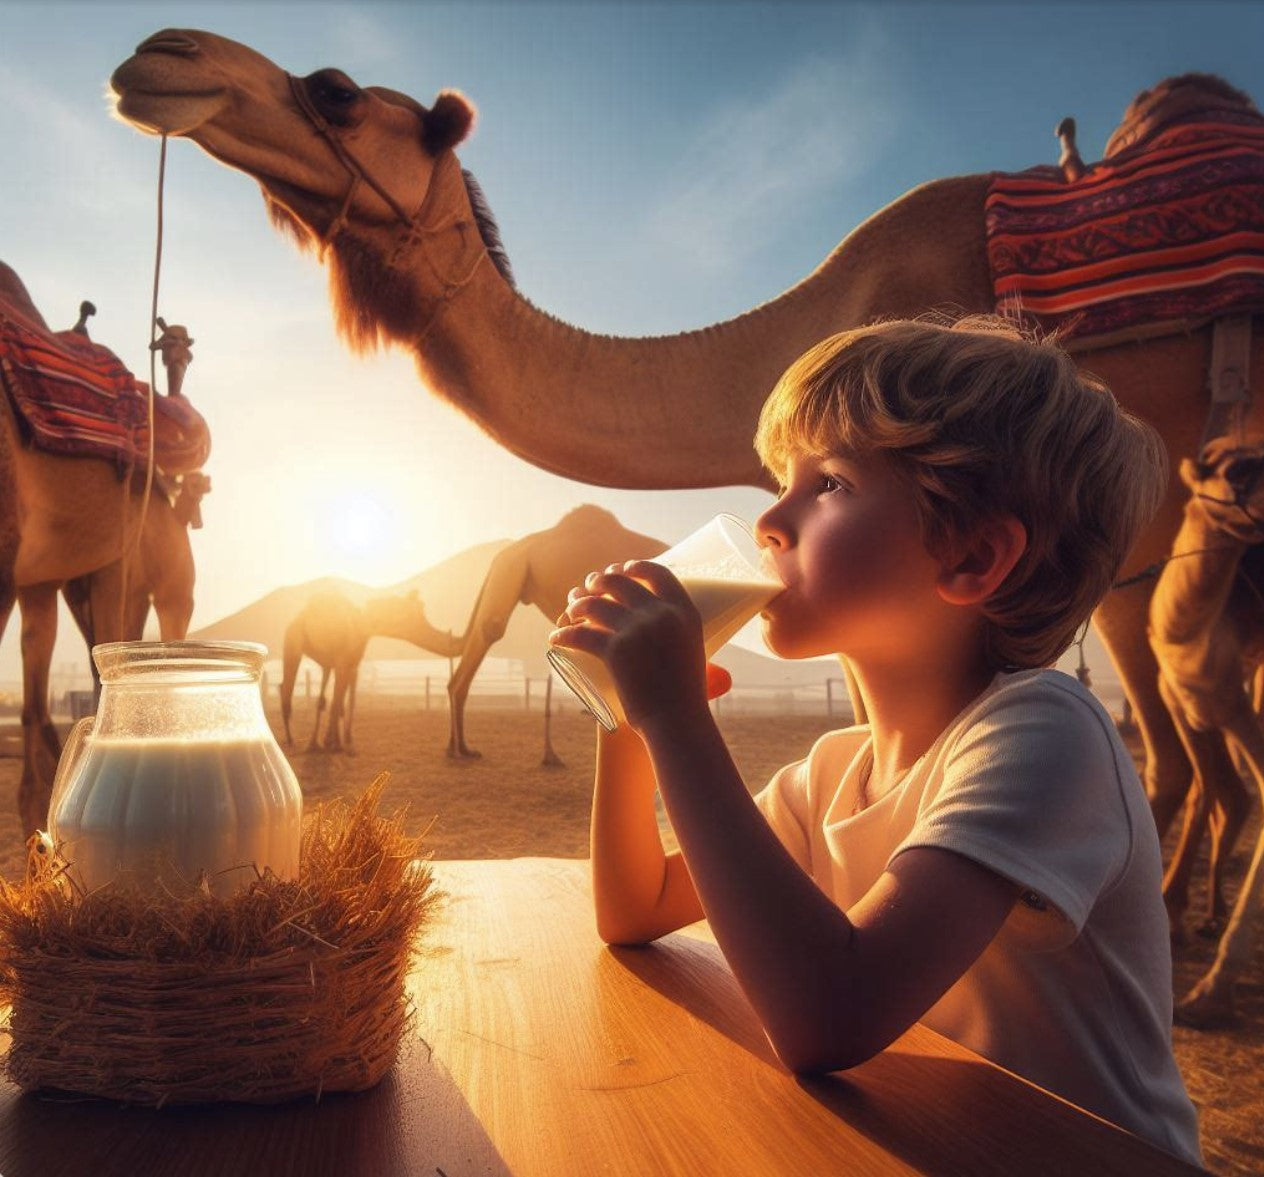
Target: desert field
{"type": "Point", "coordinates": [506, 804]}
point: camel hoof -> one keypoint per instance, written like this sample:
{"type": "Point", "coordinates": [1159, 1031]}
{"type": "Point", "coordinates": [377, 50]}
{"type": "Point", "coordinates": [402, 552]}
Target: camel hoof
{"type": "Point", "coordinates": [464, 753]}
{"type": "Point", "coordinates": [551, 760]}
{"type": "Point", "coordinates": [1204, 1008]}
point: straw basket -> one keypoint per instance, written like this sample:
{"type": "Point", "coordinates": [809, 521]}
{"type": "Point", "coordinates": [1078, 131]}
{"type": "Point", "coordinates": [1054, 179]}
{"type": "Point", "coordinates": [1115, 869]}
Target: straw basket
{"type": "Point", "coordinates": [286, 989]}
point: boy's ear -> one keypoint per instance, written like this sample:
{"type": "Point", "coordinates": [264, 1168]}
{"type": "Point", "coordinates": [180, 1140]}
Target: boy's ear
{"type": "Point", "coordinates": [983, 561]}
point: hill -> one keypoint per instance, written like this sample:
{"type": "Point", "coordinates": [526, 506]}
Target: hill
{"type": "Point", "coordinates": [448, 590]}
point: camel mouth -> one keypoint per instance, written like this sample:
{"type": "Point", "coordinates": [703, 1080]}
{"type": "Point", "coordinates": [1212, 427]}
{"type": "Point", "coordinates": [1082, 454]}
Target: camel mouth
{"type": "Point", "coordinates": [165, 111]}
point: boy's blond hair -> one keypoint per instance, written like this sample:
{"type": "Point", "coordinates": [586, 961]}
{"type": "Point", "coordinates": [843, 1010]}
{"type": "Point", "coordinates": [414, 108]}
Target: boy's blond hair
{"type": "Point", "coordinates": [985, 420]}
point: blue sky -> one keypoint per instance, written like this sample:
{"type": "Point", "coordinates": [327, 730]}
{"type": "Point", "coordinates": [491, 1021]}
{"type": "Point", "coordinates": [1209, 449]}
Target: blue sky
{"type": "Point", "coordinates": [654, 167]}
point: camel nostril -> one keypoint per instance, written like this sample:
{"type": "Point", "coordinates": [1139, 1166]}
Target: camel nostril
{"type": "Point", "coordinates": [169, 41]}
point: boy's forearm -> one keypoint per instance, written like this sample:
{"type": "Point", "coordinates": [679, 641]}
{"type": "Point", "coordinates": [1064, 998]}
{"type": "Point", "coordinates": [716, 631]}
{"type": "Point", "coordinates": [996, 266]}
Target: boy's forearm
{"type": "Point", "coordinates": [631, 872]}
{"type": "Point", "coordinates": [789, 946]}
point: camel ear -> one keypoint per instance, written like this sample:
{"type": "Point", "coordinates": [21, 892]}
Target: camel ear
{"type": "Point", "coordinates": [1188, 471]}
{"type": "Point", "coordinates": [447, 122]}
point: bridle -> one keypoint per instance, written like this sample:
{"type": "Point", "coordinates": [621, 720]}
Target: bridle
{"type": "Point", "coordinates": [416, 227]}
{"type": "Point", "coordinates": [354, 168]}
{"type": "Point", "coordinates": [1241, 486]}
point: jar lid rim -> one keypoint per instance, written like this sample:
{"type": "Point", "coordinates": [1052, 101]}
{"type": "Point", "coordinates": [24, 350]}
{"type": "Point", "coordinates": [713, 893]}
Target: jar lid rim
{"type": "Point", "coordinates": [114, 655]}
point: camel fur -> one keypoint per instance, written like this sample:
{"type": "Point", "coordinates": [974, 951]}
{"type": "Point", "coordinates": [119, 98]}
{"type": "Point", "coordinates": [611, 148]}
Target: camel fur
{"type": "Point", "coordinates": [1207, 630]}
{"type": "Point", "coordinates": [67, 519]}
{"type": "Point", "coordinates": [539, 569]}
{"type": "Point", "coordinates": [333, 631]}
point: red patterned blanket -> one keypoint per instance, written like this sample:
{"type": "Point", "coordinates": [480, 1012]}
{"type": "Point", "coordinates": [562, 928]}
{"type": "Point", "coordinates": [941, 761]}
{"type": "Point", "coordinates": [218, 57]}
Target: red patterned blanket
{"type": "Point", "coordinates": [76, 397]}
{"type": "Point", "coordinates": [1170, 231]}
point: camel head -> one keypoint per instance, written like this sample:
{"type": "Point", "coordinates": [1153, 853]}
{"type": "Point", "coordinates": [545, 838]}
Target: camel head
{"type": "Point", "coordinates": [364, 172]}
{"type": "Point", "coordinates": [1227, 485]}
{"type": "Point", "coordinates": [188, 501]}
{"type": "Point", "coordinates": [403, 616]}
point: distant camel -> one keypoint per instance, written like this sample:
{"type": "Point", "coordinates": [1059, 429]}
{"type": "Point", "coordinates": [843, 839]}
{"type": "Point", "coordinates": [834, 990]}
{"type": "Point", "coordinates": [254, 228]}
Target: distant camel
{"type": "Point", "coordinates": [1207, 629]}
{"type": "Point", "coordinates": [63, 516]}
{"type": "Point", "coordinates": [333, 631]}
{"type": "Point", "coordinates": [538, 570]}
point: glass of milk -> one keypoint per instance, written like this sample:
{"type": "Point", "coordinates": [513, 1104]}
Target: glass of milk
{"type": "Point", "coordinates": [723, 569]}
{"type": "Point", "coordinates": [178, 775]}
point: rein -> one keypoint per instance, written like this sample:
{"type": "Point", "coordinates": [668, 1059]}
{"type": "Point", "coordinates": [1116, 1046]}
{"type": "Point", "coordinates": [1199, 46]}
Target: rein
{"type": "Point", "coordinates": [130, 550]}
{"type": "Point", "coordinates": [1152, 571]}
{"type": "Point", "coordinates": [354, 168]}
{"type": "Point", "coordinates": [416, 227]}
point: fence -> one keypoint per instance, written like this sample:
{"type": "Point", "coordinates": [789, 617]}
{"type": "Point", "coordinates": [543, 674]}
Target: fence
{"type": "Point", "coordinates": [505, 688]}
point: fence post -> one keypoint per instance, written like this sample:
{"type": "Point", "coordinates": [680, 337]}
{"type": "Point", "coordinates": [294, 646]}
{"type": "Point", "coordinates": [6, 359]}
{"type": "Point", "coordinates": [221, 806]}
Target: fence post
{"type": "Point", "coordinates": [526, 693]}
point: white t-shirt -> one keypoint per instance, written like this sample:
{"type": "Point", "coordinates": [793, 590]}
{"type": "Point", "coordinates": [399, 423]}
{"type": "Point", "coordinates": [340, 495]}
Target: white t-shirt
{"type": "Point", "coordinates": [1032, 781]}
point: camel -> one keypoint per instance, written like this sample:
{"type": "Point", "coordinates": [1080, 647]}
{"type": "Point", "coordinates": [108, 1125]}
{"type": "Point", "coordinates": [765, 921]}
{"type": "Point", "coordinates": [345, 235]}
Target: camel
{"type": "Point", "coordinates": [538, 570]}
{"type": "Point", "coordinates": [369, 179]}
{"type": "Point", "coordinates": [162, 573]}
{"type": "Point", "coordinates": [61, 517]}
{"type": "Point", "coordinates": [1207, 628]}
{"type": "Point", "coordinates": [333, 631]}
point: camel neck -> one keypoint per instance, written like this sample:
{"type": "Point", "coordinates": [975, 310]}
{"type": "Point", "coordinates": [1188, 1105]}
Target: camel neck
{"type": "Point", "coordinates": [627, 412]}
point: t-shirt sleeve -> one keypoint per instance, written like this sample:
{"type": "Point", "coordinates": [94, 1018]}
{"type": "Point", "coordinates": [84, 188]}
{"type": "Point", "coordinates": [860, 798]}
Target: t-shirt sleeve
{"type": "Point", "coordinates": [786, 807]}
{"type": "Point", "coordinates": [1032, 790]}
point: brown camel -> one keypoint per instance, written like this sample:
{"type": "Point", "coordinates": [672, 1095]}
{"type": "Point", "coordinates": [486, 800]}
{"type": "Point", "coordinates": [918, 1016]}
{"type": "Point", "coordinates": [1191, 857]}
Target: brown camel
{"type": "Point", "coordinates": [538, 570]}
{"type": "Point", "coordinates": [1207, 628]}
{"type": "Point", "coordinates": [161, 574]}
{"type": "Point", "coordinates": [333, 631]}
{"type": "Point", "coordinates": [61, 517]}
{"type": "Point", "coordinates": [368, 177]}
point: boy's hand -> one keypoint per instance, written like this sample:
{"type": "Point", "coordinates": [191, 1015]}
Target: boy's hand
{"type": "Point", "coordinates": [640, 622]}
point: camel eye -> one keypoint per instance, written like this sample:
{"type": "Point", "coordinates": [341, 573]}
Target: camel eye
{"type": "Point", "coordinates": [333, 93]}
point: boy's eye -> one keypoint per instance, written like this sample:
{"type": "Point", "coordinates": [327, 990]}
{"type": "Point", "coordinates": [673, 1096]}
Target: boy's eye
{"type": "Point", "coordinates": [829, 484]}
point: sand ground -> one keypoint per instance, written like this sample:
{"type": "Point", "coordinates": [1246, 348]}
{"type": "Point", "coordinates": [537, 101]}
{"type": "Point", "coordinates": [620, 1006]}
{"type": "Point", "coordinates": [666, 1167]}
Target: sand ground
{"type": "Point", "coordinates": [507, 804]}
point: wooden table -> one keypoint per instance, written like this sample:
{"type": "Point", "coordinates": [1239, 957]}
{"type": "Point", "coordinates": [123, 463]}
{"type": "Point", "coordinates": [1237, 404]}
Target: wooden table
{"type": "Point", "coordinates": [540, 1051]}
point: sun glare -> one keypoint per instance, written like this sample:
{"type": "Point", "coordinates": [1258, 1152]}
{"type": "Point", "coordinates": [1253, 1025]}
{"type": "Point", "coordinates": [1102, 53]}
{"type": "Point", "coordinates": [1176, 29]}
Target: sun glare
{"type": "Point", "coordinates": [361, 532]}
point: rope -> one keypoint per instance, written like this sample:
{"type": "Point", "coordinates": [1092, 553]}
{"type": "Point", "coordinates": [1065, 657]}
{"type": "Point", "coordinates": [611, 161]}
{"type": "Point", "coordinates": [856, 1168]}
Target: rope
{"type": "Point", "coordinates": [131, 551]}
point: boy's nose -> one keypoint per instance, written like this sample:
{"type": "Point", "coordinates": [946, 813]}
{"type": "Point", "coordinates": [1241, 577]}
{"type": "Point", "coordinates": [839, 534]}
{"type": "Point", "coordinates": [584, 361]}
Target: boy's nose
{"type": "Point", "coordinates": [771, 530]}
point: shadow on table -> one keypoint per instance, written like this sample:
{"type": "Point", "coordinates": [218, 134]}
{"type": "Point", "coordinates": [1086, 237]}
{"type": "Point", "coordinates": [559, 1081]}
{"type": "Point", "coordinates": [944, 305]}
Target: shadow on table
{"type": "Point", "coordinates": [967, 1109]}
{"type": "Point", "coordinates": [415, 1123]}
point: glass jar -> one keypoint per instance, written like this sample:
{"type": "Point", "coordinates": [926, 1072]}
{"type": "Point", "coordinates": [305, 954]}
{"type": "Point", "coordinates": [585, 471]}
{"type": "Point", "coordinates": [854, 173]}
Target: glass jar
{"type": "Point", "coordinates": [178, 774]}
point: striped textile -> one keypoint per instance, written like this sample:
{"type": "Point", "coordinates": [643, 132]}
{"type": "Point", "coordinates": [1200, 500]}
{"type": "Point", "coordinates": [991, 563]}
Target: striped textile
{"type": "Point", "coordinates": [76, 397]}
{"type": "Point", "coordinates": [1169, 231]}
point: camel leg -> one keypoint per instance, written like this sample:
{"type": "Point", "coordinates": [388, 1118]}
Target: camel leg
{"type": "Point", "coordinates": [1121, 621]}
{"type": "Point", "coordinates": [41, 746]}
{"type": "Point", "coordinates": [348, 746]}
{"type": "Point", "coordinates": [337, 705]}
{"type": "Point", "coordinates": [479, 639]}
{"type": "Point", "coordinates": [1214, 785]}
{"type": "Point", "coordinates": [1210, 1002]}
{"type": "Point", "coordinates": [1230, 805]}
{"type": "Point", "coordinates": [292, 655]}
{"type": "Point", "coordinates": [313, 744]}
{"type": "Point", "coordinates": [551, 758]}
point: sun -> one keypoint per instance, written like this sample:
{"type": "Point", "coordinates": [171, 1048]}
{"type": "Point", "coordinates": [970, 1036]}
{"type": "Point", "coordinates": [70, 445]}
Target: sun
{"type": "Point", "coordinates": [361, 523]}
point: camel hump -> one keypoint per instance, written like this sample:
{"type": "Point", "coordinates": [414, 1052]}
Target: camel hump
{"type": "Point", "coordinates": [1183, 98]}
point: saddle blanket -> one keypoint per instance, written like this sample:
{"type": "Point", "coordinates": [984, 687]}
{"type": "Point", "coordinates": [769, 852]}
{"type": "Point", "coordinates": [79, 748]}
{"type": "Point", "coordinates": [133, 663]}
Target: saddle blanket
{"type": "Point", "coordinates": [1169, 232]}
{"type": "Point", "coordinates": [76, 397]}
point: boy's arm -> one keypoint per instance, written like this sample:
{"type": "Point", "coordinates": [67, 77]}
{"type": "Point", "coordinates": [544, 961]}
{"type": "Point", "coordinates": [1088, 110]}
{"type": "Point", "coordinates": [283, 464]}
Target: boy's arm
{"type": "Point", "coordinates": [640, 893]}
{"type": "Point", "coordinates": [831, 988]}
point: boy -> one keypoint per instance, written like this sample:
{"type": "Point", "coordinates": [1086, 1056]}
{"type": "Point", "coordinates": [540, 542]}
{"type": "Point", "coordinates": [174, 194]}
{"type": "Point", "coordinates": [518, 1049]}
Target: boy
{"type": "Point", "coordinates": [979, 855]}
